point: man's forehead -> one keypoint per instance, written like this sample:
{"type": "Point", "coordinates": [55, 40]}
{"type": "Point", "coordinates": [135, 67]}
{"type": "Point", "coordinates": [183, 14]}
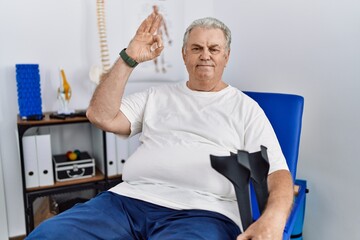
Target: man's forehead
{"type": "Point", "coordinates": [207, 36]}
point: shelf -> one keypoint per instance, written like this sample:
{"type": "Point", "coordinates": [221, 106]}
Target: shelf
{"type": "Point", "coordinates": [115, 177]}
{"type": "Point", "coordinates": [99, 182]}
{"type": "Point", "coordinates": [98, 177]}
{"type": "Point", "coordinates": [114, 180]}
{"type": "Point", "coordinates": [23, 125]}
{"type": "Point", "coordinates": [49, 121]}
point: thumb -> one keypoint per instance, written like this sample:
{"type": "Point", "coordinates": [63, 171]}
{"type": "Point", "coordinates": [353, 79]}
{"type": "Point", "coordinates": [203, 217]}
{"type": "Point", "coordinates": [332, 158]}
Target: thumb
{"type": "Point", "coordinates": [157, 47]}
{"type": "Point", "coordinates": [158, 51]}
{"type": "Point", "coordinates": [244, 236]}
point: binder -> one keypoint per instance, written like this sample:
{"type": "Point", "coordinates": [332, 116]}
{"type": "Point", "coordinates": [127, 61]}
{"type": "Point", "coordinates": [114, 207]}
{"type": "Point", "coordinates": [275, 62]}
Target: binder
{"type": "Point", "coordinates": [122, 146]}
{"type": "Point", "coordinates": [44, 160]}
{"type": "Point", "coordinates": [30, 161]}
{"type": "Point", "coordinates": [111, 153]}
{"type": "Point", "coordinates": [98, 148]}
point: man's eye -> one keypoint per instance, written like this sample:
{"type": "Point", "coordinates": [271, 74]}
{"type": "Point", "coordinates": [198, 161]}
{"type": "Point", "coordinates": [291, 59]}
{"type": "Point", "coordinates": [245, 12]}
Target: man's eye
{"type": "Point", "coordinates": [214, 50]}
{"type": "Point", "coordinates": [195, 49]}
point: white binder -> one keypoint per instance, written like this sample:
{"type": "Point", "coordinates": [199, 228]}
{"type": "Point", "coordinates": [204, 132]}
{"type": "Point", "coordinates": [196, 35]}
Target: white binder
{"type": "Point", "coordinates": [122, 146]}
{"type": "Point", "coordinates": [111, 153]}
{"type": "Point", "coordinates": [30, 161]}
{"type": "Point", "coordinates": [44, 159]}
{"type": "Point", "coordinates": [98, 150]}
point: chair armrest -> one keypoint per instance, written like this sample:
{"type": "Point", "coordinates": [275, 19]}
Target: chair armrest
{"type": "Point", "coordinates": [296, 190]}
{"type": "Point", "coordinates": [298, 206]}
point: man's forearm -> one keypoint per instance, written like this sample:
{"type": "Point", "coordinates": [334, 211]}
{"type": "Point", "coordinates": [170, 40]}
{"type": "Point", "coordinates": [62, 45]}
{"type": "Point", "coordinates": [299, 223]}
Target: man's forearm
{"type": "Point", "coordinates": [272, 222]}
{"type": "Point", "coordinates": [104, 109]}
{"type": "Point", "coordinates": [281, 196]}
{"type": "Point", "coordinates": [105, 103]}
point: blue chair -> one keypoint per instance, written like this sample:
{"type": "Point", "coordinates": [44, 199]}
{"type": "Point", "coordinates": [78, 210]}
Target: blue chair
{"type": "Point", "coordinates": [284, 112]}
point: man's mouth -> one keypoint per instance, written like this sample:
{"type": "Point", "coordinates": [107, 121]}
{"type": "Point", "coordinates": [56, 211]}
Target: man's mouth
{"type": "Point", "coordinates": [204, 65]}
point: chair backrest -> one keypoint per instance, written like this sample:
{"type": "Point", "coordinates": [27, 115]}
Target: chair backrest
{"type": "Point", "coordinates": [284, 112]}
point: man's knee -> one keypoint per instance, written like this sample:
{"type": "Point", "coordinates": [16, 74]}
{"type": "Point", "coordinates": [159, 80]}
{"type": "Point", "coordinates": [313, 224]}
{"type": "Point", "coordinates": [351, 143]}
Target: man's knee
{"type": "Point", "coordinates": [49, 229]}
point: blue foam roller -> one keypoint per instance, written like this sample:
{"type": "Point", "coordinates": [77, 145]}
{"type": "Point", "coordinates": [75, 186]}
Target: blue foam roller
{"type": "Point", "coordinates": [28, 90]}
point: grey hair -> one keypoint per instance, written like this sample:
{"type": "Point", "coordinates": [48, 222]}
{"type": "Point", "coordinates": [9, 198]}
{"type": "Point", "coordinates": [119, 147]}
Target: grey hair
{"type": "Point", "coordinates": [209, 23]}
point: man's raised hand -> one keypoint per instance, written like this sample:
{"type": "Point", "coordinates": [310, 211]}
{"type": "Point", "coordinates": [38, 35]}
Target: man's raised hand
{"type": "Point", "coordinates": [146, 44]}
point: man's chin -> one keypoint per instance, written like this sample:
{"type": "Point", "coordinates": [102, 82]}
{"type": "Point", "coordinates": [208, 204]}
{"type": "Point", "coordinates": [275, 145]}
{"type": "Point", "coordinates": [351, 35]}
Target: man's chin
{"type": "Point", "coordinates": [205, 77]}
{"type": "Point", "coordinates": [204, 73]}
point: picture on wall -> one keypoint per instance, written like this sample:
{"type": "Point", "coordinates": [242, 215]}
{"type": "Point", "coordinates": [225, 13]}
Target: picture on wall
{"type": "Point", "coordinates": [166, 67]}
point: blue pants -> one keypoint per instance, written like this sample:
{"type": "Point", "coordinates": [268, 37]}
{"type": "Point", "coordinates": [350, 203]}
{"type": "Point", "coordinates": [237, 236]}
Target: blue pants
{"type": "Point", "coordinates": [112, 216]}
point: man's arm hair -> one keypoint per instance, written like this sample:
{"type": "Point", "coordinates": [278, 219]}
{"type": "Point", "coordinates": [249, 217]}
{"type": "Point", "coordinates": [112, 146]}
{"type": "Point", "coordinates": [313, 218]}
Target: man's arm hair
{"type": "Point", "coordinates": [272, 222]}
{"type": "Point", "coordinates": [104, 108]}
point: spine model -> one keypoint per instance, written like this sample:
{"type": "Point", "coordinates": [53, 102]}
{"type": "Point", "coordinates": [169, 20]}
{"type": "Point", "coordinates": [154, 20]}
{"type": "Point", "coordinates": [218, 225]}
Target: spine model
{"type": "Point", "coordinates": [96, 71]}
{"type": "Point", "coordinates": [101, 21]}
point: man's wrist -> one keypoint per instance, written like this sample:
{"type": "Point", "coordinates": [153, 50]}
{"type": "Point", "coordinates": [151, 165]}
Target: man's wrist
{"type": "Point", "coordinates": [127, 59]}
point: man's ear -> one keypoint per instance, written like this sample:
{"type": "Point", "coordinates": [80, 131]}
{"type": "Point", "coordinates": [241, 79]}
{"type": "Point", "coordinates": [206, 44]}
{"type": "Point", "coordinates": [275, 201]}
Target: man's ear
{"type": "Point", "coordinates": [183, 53]}
{"type": "Point", "coordinates": [227, 56]}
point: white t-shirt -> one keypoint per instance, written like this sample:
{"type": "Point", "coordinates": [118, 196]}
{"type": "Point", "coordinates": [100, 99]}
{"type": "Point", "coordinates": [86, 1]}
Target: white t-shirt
{"type": "Point", "coordinates": [180, 129]}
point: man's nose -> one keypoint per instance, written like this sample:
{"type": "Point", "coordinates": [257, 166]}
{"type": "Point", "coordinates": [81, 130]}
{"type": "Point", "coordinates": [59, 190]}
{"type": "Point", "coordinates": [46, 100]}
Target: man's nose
{"type": "Point", "coordinates": [205, 54]}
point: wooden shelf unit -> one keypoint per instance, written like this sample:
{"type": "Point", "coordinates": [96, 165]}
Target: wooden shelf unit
{"type": "Point", "coordinates": [99, 182]}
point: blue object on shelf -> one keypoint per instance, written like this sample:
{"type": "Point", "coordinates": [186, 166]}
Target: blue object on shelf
{"type": "Point", "coordinates": [28, 90]}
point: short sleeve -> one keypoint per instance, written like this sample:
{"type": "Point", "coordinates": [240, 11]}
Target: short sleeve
{"type": "Point", "coordinates": [259, 131]}
{"type": "Point", "coordinates": [133, 107]}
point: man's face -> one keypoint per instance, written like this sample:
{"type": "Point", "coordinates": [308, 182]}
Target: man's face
{"type": "Point", "coordinates": [205, 56]}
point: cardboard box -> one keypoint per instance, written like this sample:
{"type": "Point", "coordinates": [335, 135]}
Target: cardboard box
{"type": "Point", "coordinates": [42, 209]}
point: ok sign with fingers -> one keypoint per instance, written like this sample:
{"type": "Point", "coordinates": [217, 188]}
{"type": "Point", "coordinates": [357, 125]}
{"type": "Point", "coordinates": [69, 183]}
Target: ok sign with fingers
{"type": "Point", "coordinates": [146, 44]}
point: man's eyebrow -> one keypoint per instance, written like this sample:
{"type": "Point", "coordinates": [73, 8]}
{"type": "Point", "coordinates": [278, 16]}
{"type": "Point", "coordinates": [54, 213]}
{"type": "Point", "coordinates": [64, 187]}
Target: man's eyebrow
{"type": "Point", "coordinates": [211, 46]}
{"type": "Point", "coordinates": [196, 45]}
{"type": "Point", "coordinates": [214, 45]}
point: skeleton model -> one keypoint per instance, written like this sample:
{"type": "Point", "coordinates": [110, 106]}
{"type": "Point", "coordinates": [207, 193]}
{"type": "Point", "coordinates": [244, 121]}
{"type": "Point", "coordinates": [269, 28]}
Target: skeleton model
{"type": "Point", "coordinates": [161, 31]}
{"type": "Point", "coordinates": [97, 71]}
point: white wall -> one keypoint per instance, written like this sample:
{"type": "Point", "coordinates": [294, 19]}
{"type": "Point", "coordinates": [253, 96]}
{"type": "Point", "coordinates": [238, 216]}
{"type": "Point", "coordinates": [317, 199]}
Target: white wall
{"type": "Point", "coordinates": [3, 215]}
{"type": "Point", "coordinates": [306, 47]}
{"type": "Point", "coordinates": [311, 48]}
{"type": "Point", "coordinates": [54, 34]}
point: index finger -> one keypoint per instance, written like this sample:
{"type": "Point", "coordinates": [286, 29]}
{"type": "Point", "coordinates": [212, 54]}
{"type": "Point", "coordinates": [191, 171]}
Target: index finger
{"type": "Point", "coordinates": [150, 24]}
{"type": "Point", "coordinates": [146, 24]}
{"type": "Point", "coordinates": [155, 24]}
